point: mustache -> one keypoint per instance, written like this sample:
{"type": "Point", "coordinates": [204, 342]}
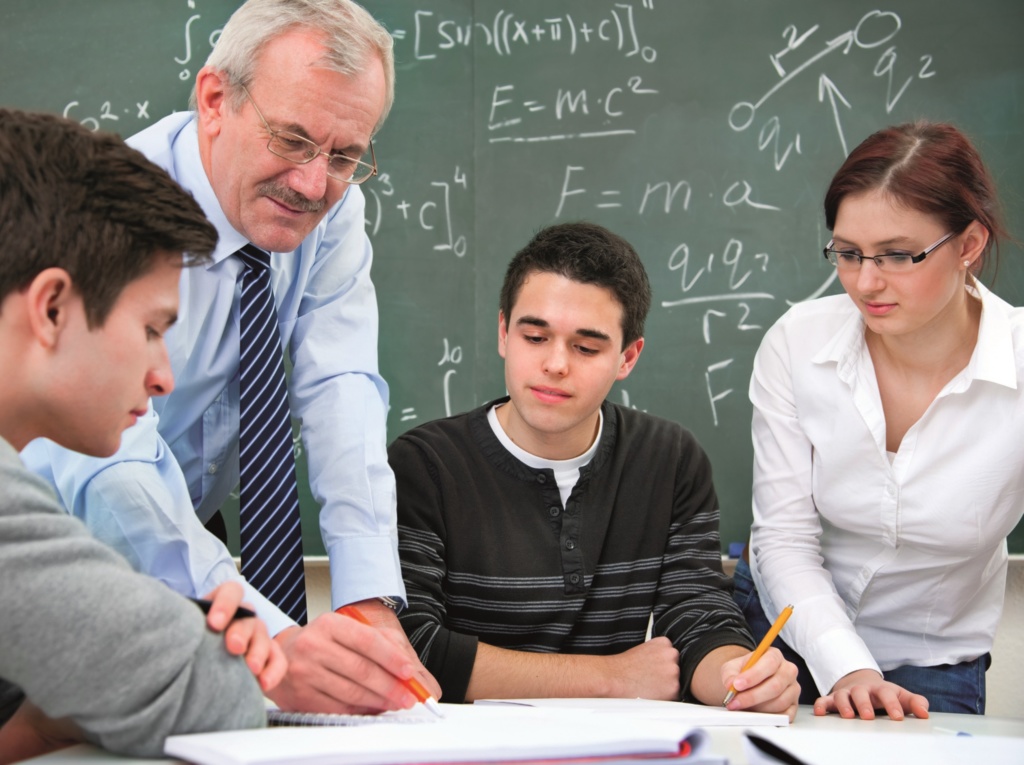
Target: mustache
{"type": "Point", "coordinates": [290, 198]}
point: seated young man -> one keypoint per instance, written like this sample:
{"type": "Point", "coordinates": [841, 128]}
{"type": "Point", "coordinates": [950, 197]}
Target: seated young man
{"type": "Point", "coordinates": [540, 532]}
{"type": "Point", "coordinates": [93, 239]}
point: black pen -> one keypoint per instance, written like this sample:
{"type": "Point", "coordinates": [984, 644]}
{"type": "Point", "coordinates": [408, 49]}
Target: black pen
{"type": "Point", "coordinates": [241, 613]}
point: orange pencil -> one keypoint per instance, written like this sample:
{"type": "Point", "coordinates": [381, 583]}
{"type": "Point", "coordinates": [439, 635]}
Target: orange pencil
{"type": "Point", "coordinates": [764, 645]}
{"type": "Point", "coordinates": [412, 684]}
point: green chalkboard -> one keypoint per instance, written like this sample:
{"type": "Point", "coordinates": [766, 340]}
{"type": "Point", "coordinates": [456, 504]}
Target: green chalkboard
{"type": "Point", "coordinates": [704, 131]}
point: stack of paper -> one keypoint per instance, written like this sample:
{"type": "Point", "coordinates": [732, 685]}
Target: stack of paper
{"type": "Point", "coordinates": [686, 715]}
{"type": "Point", "coordinates": [466, 734]}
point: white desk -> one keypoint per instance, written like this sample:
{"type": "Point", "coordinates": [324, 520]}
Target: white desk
{"type": "Point", "coordinates": [725, 742]}
{"type": "Point", "coordinates": [728, 742]}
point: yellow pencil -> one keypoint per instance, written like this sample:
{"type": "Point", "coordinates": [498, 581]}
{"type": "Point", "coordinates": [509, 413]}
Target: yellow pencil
{"type": "Point", "coordinates": [764, 645]}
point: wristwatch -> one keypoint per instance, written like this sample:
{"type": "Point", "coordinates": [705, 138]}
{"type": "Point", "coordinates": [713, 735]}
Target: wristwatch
{"type": "Point", "coordinates": [391, 603]}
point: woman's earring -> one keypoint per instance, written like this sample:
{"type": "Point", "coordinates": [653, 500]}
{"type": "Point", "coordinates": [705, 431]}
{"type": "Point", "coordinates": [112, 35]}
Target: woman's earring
{"type": "Point", "coordinates": [967, 264]}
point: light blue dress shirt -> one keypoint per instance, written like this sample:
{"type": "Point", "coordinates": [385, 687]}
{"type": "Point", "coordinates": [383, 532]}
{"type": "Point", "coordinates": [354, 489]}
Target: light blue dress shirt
{"type": "Point", "coordinates": [178, 464]}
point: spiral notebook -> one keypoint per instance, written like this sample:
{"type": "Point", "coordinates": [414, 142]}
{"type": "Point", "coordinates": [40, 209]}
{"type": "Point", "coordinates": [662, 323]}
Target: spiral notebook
{"type": "Point", "coordinates": [278, 718]}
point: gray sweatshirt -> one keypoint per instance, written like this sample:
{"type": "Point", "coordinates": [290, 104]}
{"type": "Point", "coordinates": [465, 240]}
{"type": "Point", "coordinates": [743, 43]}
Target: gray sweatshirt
{"type": "Point", "coordinates": [84, 636]}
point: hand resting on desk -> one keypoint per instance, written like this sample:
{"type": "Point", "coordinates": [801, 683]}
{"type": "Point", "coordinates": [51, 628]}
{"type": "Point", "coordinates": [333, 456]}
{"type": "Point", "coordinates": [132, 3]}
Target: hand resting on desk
{"type": "Point", "coordinates": [649, 670]}
{"type": "Point", "coordinates": [864, 691]}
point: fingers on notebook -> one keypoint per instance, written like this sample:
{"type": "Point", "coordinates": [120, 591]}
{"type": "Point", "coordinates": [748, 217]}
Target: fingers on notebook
{"type": "Point", "coordinates": [263, 656]}
{"type": "Point", "coordinates": [338, 665]}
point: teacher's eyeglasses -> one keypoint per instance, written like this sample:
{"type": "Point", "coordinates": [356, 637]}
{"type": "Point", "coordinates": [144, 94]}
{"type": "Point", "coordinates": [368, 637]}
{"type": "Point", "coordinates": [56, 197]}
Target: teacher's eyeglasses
{"type": "Point", "coordinates": [300, 150]}
{"type": "Point", "coordinates": [890, 262]}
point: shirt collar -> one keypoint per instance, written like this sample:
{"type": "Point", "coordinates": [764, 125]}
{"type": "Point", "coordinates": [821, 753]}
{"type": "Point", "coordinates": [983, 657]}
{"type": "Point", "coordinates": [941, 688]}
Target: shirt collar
{"type": "Point", "coordinates": [993, 359]}
{"type": "Point", "coordinates": [192, 175]}
{"type": "Point", "coordinates": [846, 345]}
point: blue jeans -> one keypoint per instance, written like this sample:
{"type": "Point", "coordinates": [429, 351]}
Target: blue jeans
{"type": "Point", "coordinates": [948, 687]}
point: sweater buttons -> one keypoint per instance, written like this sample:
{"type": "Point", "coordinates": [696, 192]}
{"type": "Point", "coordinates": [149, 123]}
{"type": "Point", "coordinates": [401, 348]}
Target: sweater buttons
{"type": "Point", "coordinates": [554, 510]}
{"type": "Point", "coordinates": [574, 578]}
{"type": "Point", "coordinates": [542, 478]}
{"type": "Point", "coordinates": [570, 544]}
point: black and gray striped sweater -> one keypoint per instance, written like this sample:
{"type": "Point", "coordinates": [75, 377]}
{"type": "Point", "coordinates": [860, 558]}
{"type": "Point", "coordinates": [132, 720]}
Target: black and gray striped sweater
{"type": "Point", "coordinates": [489, 553]}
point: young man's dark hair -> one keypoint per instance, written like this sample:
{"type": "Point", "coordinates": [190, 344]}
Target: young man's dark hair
{"type": "Point", "coordinates": [589, 254]}
{"type": "Point", "coordinates": [113, 216]}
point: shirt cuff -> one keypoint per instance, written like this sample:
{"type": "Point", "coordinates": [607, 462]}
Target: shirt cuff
{"type": "Point", "coordinates": [835, 654]}
{"type": "Point", "coordinates": [275, 619]}
{"type": "Point", "coordinates": [363, 568]}
{"type": "Point", "coordinates": [450, 660]}
{"type": "Point", "coordinates": [696, 652]}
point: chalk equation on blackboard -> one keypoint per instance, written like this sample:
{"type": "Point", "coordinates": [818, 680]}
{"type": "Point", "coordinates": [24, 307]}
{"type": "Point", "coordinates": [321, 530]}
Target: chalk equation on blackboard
{"type": "Point", "coordinates": [432, 215]}
{"type": "Point", "coordinates": [186, 74]}
{"type": "Point", "coordinates": [667, 195]}
{"type": "Point", "coordinates": [451, 357]}
{"type": "Point", "coordinates": [507, 34]}
{"type": "Point", "coordinates": [610, 105]}
{"type": "Point", "coordinates": [107, 115]}
{"type": "Point", "coordinates": [873, 30]}
{"type": "Point", "coordinates": [696, 273]}
{"type": "Point", "coordinates": [742, 325]}
{"type": "Point", "coordinates": [106, 112]}
{"type": "Point", "coordinates": [736, 268]}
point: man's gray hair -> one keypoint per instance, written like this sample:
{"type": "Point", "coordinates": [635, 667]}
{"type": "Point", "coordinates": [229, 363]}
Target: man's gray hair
{"type": "Point", "coordinates": [351, 36]}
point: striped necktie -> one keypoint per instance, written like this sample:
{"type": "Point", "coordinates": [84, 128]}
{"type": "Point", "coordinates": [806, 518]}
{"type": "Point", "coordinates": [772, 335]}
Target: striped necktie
{"type": "Point", "coordinates": [271, 533]}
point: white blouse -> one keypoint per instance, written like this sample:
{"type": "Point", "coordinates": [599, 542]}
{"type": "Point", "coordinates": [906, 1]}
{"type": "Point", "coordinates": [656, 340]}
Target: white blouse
{"type": "Point", "coordinates": [887, 562]}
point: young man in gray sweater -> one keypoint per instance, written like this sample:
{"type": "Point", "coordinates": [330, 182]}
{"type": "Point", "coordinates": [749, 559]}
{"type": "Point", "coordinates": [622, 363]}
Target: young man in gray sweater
{"type": "Point", "coordinates": [94, 236]}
